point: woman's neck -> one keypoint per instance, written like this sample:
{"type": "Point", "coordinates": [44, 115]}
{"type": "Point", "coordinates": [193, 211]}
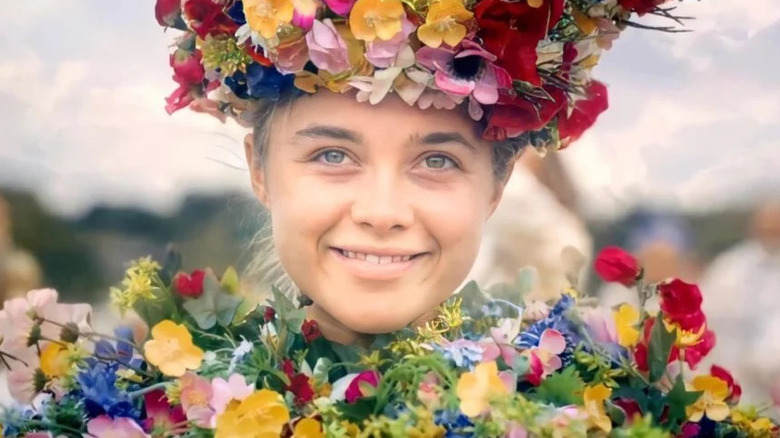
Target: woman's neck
{"type": "Point", "coordinates": [335, 331]}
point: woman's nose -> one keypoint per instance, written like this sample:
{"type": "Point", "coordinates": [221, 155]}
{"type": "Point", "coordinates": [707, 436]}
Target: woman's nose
{"type": "Point", "coordinates": [382, 202]}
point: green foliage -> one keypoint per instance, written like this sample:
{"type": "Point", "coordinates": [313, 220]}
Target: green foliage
{"type": "Point", "coordinates": [661, 342]}
{"type": "Point", "coordinates": [677, 400]}
{"type": "Point", "coordinates": [213, 306]}
{"type": "Point", "coordinates": [561, 388]}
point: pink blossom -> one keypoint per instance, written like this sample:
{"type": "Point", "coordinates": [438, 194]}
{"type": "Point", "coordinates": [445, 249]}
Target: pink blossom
{"type": "Point", "coordinates": [601, 325]}
{"type": "Point", "coordinates": [355, 391]}
{"type": "Point", "coordinates": [428, 392]}
{"type": "Point", "coordinates": [341, 7]}
{"type": "Point", "coordinates": [291, 56]}
{"type": "Point", "coordinates": [516, 430]}
{"type": "Point", "coordinates": [225, 391]}
{"type": "Point", "coordinates": [500, 342]}
{"type": "Point", "coordinates": [544, 357]}
{"type": "Point", "coordinates": [383, 53]}
{"type": "Point", "coordinates": [188, 72]}
{"type": "Point", "coordinates": [196, 394]}
{"type": "Point", "coordinates": [327, 50]}
{"type": "Point", "coordinates": [304, 12]}
{"type": "Point", "coordinates": [120, 427]}
{"type": "Point", "coordinates": [483, 85]}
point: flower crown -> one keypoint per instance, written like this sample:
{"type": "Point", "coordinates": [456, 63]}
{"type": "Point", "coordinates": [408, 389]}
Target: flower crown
{"type": "Point", "coordinates": [522, 67]}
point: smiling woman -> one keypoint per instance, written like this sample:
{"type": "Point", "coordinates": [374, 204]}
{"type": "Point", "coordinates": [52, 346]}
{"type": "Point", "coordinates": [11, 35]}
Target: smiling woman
{"type": "Point", "coordinates": [373, 208]}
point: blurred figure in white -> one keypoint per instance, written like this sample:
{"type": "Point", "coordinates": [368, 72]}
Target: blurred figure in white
{"type": "Point", "coordinates": [741, 292]}
{"type": "Point", "coordinates": [536, 219]}
{"type": "Point", "coordinates": [662, 243]}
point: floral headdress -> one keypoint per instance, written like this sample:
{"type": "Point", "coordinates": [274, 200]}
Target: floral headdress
{"type": "Point", "coordinates": [522, 67]}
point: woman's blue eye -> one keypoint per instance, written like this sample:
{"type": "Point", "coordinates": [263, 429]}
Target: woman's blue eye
{"type": "Point", "coordinates": [332, 156]}
{"type": "Point", "coordinates": [439, 162]}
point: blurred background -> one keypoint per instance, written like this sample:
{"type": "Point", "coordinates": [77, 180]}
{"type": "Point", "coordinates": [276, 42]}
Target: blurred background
{"type": "Point", "coordinates": [683, 170]}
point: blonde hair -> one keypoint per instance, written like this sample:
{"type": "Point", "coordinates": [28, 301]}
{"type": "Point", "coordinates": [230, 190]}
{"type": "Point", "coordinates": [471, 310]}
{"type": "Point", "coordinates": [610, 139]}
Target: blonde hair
{"type": "Point", "coordinates": [265, 268]}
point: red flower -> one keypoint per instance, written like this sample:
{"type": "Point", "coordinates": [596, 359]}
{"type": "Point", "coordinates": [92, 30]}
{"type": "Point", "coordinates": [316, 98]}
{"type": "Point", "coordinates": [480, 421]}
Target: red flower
{"type": "Point", "coordinates": [535, 370]}
{"type": "Point", "coordinates": [694, 354]}
{"type": "Point", "coordinates": [615, 265]}
{"type": "Point", "coordinates": [572, 126]}
{"type": "Point", "coordinates": [310, 330]}
{"type": "Point", "coordinates": [299, 384]}
{"type": "Point", "coordinates": [641, 7]}
{"type": "Point", "coordinates": [630, 407]}
{"type": "Point", "coordinates": [188, 72]}
{"type": "Point", "coordinates": [512, 30]}
{"type": "Point", "coordinates": [269, 314]}
{"type": "Point", "coordinates": [513, 115]}
{"type": "Point", "coordinates": [735, 391]}
{"type": "Point", "coordinates": [191, 285]}
{"type": "Point", "coordinates": [354, 392]}
{"type": "Point", "coordinates": [681, 303]}
{"type": "Point", "coordinates": [160, 414]}
{"type": "Point", "coordinates": [208, 17]}
{"type": "Point", "coordinates": [689, 430]}
{"type": "Point", "coordinates": [167, 11]}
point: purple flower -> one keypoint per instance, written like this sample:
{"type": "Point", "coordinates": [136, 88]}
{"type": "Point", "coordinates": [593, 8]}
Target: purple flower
{"type": "Point", "coordinates": [327, 50]}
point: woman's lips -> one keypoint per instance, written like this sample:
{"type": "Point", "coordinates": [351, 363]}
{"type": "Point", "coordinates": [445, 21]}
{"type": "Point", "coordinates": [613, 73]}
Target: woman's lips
{"type": "Point", "coordinates": [375, 267]}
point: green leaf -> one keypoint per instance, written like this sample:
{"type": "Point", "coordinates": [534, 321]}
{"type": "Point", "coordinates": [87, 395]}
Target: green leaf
{"type": "Point", "coordinates": [213, 306]}
{"type": "Point", "coordinates": [661, 342]}
{"type": "Point", "coordinates": [154, 310]}
{"type": "Point", "coordinates": [678, 399]}
{"type": "Point", "coordinates": [170, 267]}
{"type": "Point", "coordinates": [561, 389]}
{"type": "Point", "coordinates": [358, 411]}
{"type": "Point", "coordinates": [631, 393]}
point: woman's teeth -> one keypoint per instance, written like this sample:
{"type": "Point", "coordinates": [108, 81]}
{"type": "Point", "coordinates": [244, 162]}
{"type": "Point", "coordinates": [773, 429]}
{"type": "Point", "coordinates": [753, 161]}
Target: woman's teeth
{"type": "Point", "coordinates": [375, 259]}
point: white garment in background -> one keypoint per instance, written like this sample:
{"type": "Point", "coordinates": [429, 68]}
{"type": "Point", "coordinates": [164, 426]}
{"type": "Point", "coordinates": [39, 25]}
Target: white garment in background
{"type": "Point", "coordinates": [529, 228]}
{"type": "Point", "coordinates": [741, 291]}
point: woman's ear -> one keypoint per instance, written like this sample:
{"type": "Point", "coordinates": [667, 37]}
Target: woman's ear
{"type": "Point", "coordinates": [256, 170]}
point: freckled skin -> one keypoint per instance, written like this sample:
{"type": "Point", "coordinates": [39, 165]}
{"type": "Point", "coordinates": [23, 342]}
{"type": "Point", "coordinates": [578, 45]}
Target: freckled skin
{"type": "Point", "coordinates": [342, 174]}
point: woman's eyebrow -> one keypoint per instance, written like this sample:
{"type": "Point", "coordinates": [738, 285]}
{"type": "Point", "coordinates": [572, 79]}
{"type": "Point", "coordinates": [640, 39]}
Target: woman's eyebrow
{"type": "Point", "coordinates": [330, 132]}
{"type": "Point", "coordinates": [436, 138]}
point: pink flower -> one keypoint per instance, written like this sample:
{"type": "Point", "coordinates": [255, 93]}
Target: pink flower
{"type": "Point", "coordinates": [159, 412]}
{"type": "Point", "coordinates": [544, 357]}
{"type": "Point", "coordinates": [25, 382]}
{"type": "Point", "coordinates": [196, 394]}
{"type": "Point", "coordinates": [360, 382]}
{"type": "Point", "coordinates": [327, 50]}
{"type": "Point", "coordinates": [500, 342]}
{"type": "Point", "coordinates": [304, 12]}
{"type": "Point", "coordinates": [383, 53]}
{"type": "Point", "coordinates": [341, 7]}
{"type": "Point", "coordinates": [291, 56]}
{"type": "Point", "coordinates": [516, 430]}
{"type": "Point", "coordinates": [428, 392]}
{"type": "Point", "coordinates": [225, 391]}
{"type": "Point", "coordinates": [467, 71]}
{"type": "Point", "coordinates": [119, 427]}
{"type": "Point", "coordinates": [601, 325]}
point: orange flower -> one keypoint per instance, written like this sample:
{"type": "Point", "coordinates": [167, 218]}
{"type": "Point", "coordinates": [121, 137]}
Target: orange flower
{"type": "Point", "coordinates": [265, 16]}
{"type": "Point", "coordinates": [171, 349]}
{"type": "Point", "coordinates": [476, 388]}
{"type": "Point", "coordinates": [372, 19]}
{"type": "Point", "coordinates": [308, 428]}
{"type": "Point", "coordinates": [443, 23]}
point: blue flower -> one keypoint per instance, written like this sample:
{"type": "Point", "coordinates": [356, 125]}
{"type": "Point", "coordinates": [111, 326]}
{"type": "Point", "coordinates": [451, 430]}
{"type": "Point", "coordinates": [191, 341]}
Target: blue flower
{"type": "Point", "coordinates": [260, 82]}
{"type": "Point", "coordinates": [464, 353]}
{"type": "Point", "coordinates": [236, 12]}
{"type": "Point", "coordinates": [555, 320]}
{"type": "Point", "coordinates": [122, 353]}
{"type": "Point", "coordinates": [97, 386]}
{"type": "Point", "coordinates": [455, 423]}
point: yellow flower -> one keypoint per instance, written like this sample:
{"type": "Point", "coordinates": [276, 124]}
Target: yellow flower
{"type": "Point", "coordinates": [443, 23]}
{"type": "Point", "coordinates": [308, 428]}
{"type": "Point", "coordinates": [137, 284]}
{"type": "Point", "coordinates": [55, 360]}
{"type": "Point", "coordinates": [261, 415]}
{"type": "Point", "coordinates": [372, 19]}
{"type": "Point", "coordinates": [685, 338]}
{"type": "Point", "coordinates": [171, 349]}
{"type": "Point", "coordinates": [265, 16]}
{"type": "Point", "coordinates": [711, 402]}
{"type": "Point", "coordinates": [747, 420]}
{"type": "Point", "coordinates": [594, 397]}
{"type": "Point", "coordinates": [626, 319]}
{"type": "Point", "coordinates": [476, 388]}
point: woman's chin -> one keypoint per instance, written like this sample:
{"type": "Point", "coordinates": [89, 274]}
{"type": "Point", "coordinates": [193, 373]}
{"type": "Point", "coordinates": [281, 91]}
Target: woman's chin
{"type": "Point", "coordinates": [374, 324]}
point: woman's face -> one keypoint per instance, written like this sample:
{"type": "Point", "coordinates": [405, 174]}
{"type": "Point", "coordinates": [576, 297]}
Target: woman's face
{"type": "Point", "coordinates": [377, 211]}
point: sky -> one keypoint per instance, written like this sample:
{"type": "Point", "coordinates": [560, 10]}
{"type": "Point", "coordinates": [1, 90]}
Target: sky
{"type": "Point", "coordinates": [694, 118]}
